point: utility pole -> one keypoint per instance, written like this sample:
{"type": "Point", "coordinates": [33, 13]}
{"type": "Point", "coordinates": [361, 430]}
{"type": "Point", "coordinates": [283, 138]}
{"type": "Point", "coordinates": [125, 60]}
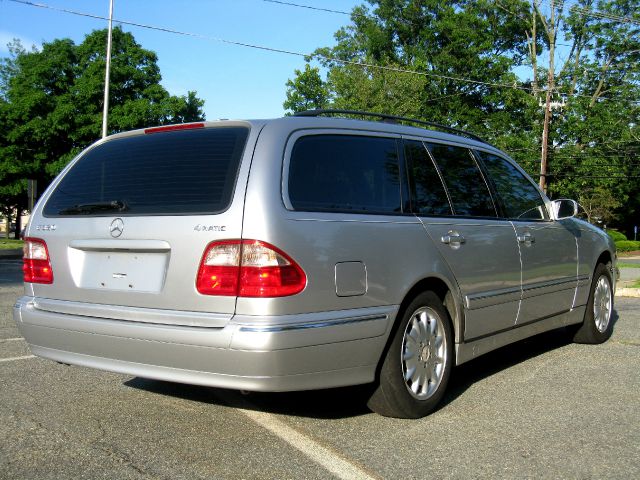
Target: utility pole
{"type": "Point", "coordinates": [105, 111]}
{"type": "Point", "coordinates": [545, 140]}
{"type": "Point", "coordinates": [550, 28]}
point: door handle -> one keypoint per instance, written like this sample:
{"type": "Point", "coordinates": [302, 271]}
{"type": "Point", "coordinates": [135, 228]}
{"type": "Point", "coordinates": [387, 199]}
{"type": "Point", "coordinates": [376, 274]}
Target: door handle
{"type": "Point", "coordinates": [526, 238]}
{"type": "Point", "coordinates": [453, 238]}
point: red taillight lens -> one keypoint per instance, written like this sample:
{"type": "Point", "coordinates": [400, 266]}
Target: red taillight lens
{"type": "Point", "coordinates": [248, 268]}
{"type": "Point", "coordinates": [172, 128]}
{"type": "Point", "coordinates": [36, 265]}
{"type": "Point", "coordinates": [219, 269]}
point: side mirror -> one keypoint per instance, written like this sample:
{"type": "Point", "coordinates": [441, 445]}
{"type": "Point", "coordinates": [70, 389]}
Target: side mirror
{"type": "Point", "coordinates": [564, 208]}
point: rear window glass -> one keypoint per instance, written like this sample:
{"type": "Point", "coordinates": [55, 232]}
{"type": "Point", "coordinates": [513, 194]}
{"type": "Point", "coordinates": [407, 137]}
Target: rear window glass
{"type": "Point", "coordinates": [181, 172]}
{"type": "Point", "coordinates": [345, 173]}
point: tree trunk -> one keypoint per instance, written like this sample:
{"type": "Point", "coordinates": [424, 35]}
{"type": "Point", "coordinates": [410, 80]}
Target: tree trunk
{"type": "Point", "coordinates": [18, 223]}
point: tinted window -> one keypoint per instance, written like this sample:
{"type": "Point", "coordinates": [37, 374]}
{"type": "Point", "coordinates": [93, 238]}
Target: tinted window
{"type": "Point", "coordinates": [519, 197]}
{"type": "Point", "coordinates": [190, 171]}
{"type": "Point", "coordinates": [468, 191]}
{"type": "Point", "coordinates": [429, 197]}
{"type": "Point", "coordinates": [344, 173]}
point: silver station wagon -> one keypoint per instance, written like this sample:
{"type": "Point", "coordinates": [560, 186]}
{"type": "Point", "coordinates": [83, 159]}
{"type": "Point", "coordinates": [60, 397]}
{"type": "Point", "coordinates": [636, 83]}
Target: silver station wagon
{"type": "Point", "coordinates": [305, 252]}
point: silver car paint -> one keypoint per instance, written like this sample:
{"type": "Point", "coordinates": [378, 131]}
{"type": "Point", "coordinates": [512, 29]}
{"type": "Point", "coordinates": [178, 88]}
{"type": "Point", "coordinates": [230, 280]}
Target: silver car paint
{"type": "Point", "coordinates": [360, 270]}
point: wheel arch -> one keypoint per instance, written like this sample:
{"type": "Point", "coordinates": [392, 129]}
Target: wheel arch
{"type": "Point", "coordinates": [604, 258]}
{"type": "Point", "coordinates": [447, 295]}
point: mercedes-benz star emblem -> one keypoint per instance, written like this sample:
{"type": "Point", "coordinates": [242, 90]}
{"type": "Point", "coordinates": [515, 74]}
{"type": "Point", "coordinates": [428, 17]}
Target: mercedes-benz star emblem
{"type": "Point", "coordinates": [116, 228]}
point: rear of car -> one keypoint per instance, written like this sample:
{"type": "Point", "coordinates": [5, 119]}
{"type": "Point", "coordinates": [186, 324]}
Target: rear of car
{"type": "Point", "coordinates": [134, 257]}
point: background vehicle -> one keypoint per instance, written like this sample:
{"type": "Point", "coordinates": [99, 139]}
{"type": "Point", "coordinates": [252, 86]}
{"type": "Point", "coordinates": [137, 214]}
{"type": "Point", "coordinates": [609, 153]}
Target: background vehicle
{"type": "Point", "coordinates": [303, 253]}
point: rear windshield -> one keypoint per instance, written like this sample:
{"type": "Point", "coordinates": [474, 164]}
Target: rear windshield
{"type": "Point", "coordinates": [180, 172]}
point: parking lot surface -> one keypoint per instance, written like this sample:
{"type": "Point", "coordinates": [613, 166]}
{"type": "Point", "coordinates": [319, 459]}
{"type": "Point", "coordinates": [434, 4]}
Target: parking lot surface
{"type": "Point", "coordinates": [542, 408]}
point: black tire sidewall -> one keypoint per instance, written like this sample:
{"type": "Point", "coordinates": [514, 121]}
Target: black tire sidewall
{"type": "Point", "coordinates": [588, 332]}
{"type": "Point", "coordinates": [391, 377]}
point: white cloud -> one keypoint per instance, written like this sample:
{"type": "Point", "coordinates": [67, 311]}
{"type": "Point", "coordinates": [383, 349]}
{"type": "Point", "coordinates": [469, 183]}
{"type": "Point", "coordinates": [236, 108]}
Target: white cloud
{"type": "Point", "coordinates": [7, 37]}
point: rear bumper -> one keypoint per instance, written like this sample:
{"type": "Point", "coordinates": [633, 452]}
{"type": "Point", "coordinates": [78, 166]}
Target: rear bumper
{"type": "Point", "coordinates": [259, 354]}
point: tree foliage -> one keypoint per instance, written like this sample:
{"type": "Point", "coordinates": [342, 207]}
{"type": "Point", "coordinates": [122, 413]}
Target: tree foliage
{"type": "Point", "coordinates": [51, 104]}
{"type": "Point", "coordinates": [306, 91]}
{"type": "Point", "coordinates": [487, 66]}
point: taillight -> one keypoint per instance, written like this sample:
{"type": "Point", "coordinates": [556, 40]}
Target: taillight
{"type": "Point", "coordinates": [36, 264]}
{"type": "Point", "coordinates": [248, 268]}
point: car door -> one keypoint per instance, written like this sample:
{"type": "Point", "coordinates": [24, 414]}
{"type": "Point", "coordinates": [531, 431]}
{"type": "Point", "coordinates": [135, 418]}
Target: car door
{"type": "Point", "coordinates": [461, 218]}
{"type": "Point", "coordinates": [548, 248]}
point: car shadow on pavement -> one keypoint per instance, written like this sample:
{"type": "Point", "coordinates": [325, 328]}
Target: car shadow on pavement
{"type": "Point", "coordinates": [333, 403]}
{"type": "Point", "coordinates": [347, 402]}
{"type": "Point", "coordinates": [465, 375]}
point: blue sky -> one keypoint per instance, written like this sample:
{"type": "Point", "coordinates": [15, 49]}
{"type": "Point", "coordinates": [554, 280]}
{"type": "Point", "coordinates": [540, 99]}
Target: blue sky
{"type": "Point", "coordinates": [234, 81]}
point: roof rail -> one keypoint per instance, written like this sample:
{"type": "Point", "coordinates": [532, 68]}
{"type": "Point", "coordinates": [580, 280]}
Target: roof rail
{"type": "Point", "coordinates": [389, 119]}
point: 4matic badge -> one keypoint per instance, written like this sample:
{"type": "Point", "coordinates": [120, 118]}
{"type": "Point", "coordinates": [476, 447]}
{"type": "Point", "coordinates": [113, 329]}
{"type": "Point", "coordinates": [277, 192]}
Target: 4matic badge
{"type": "Point", "coordinates": [210, 228]}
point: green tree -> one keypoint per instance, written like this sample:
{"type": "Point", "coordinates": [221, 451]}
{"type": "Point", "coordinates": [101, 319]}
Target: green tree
{"type": "Point", "coordinates": [594, 138]}
{"type": "Point", "coordinates": [441, 40]}
{"type": "Point", "coordinates": [455, 63]}
{"type": "Point", "coordinates": [51, 104]}
{"type": "Point", "coordinates": [307, 91]}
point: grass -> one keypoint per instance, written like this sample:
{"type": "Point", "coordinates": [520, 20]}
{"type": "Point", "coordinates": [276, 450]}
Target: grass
{"type": "Point", "coordinates": [10, 244]}
{"type": "Point", "coordinates": [628, 265]}
{"type": "Point", "coordinates": [635, 285]}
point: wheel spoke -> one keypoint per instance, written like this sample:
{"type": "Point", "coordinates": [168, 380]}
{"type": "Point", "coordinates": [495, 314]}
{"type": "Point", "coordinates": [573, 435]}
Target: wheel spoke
{"type": "Point", "coordinates": [418, 373]}
{"type": "Point", "coordinates": [415, 330]}
{"type": "Point", "coordinates": [409, 353]}
{"type": "Point", "coordinates": [422, 320]}
{"type": "Point", "coordinates": [409, 373]}
{"type": "Point", "coordinates": [433, 325]}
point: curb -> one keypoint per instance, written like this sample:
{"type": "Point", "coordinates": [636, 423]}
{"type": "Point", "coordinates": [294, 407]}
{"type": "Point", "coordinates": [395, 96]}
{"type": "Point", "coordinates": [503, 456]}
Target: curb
{"type": "Point", "coordinates": [628, 292]}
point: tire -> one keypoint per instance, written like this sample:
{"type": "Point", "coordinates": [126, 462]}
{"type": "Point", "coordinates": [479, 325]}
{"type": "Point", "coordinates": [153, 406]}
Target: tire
{"type": "Point", "coordinates": [597, 325]}
{"type": "Point", "coordinates": [418, 362]}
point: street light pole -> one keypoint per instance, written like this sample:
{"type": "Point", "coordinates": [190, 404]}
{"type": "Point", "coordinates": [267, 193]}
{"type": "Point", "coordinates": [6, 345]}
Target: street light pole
{"type": "Point", "coordinates": [105, 111]}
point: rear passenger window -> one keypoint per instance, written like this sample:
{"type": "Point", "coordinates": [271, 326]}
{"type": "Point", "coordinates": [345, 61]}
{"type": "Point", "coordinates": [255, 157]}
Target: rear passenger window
{"type": "Point", "coordinates": [468, 191]}
{"type": "Point", "coordinates": [344, 173]}
{"type": "Point", "coordinates": [520, 198]}
{"type": "Point", "coordinates": [429, 196]}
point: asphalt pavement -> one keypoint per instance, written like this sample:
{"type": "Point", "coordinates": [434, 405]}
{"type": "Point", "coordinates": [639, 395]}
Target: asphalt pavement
{"type": "Point", "coordinates": [542, 408]}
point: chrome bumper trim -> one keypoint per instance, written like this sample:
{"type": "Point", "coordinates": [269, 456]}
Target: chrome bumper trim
{"type": "Point", "coordinates": [305, 326]}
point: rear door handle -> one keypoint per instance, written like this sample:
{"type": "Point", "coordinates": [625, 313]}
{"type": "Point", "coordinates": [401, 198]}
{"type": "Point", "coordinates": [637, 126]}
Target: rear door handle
{"type": "Point", "coordinates": [453, 238]}
{"type": "Point", "coordinates": [526, 238]}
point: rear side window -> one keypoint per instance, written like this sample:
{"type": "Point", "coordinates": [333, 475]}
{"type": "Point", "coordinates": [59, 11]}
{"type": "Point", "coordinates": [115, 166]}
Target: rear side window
{"type": "Point", "coordinates": [469, 193]}
{"type": "Point", "coordinates": [345, 173]}
{"type": "Point", "coordinates": [520, 198]}
{"type": "Point", "coordinates": [429, 196]}
{"type": "Point", "coordinates": [169, 173]}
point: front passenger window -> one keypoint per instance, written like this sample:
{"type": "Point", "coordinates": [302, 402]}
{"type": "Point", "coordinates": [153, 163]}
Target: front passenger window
{"type": "Point", "coordinates": [520, 198]}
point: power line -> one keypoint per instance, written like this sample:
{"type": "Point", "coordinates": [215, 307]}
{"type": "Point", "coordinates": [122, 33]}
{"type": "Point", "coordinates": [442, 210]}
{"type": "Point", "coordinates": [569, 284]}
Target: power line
{"type": "Point", "coordinates": [328, 58]}
{"type": "Point", "coordinates": [309, 7]}
{"type": "Point", "coordinates": [611, 177]}
{"type": "Point", "coordinates": [587, 12]}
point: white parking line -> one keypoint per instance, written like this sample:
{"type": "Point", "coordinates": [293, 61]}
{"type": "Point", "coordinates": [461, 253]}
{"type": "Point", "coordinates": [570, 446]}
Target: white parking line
{"type": "Point", "coordinates": [13, 359]}
{"type": "Point", "coordinates": [17, 339]}
{"type": "Point", "coordinates": [332, 461]}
